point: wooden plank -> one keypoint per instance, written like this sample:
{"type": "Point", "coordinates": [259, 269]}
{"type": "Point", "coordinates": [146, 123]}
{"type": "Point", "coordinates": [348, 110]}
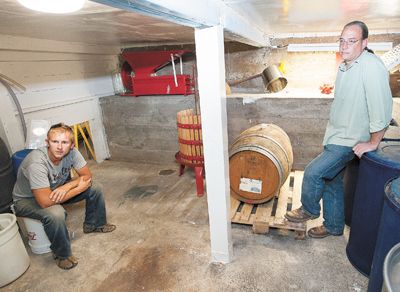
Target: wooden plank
{"type": "Point", "coordinates": [282, 203]}
{"type": "Point", "coordinates": [196, 135]}
{"type": "Point", "coordinates": [237, 214]}
{"type": "Point", "coordinates": [191, 133]}
{"type": "Point", "coordinates": [298, 179]}
{"type": "Point", "coordinates": [180, 135]}
{"type": "Point", "coordinates": [186, 135]}
{"type": "Point", "coordinates": [246, 212]}
{"type": "Point", "coordinates": [236, 218]}
{"type": "Point", "coordinates": [262, 217]}
{"type": "Point", "coordinates": [200, 135]}
{"type": "Point", "coordinates": [263, 212]}
{"type": "Point", "coordinates": [295, 226]}
{"type": "Point", "coordinates": [234, 206]}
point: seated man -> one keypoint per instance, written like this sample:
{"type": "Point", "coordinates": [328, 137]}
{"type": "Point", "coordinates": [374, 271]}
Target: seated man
{"type": "Point", "coordinates": [44, 184]}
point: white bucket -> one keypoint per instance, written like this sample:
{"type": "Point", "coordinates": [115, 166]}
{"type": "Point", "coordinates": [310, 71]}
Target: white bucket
{"type": "Point", "coordinates": [38, 240]}
{"type": "Point", "coordinates": [391, 270]}
{"type": "Point", "coordinates": [13, 255]}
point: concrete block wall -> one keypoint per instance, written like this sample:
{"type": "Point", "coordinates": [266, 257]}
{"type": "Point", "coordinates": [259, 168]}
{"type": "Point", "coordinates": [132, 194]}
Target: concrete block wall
{"type": "Point", "coordinates": [143, 129]}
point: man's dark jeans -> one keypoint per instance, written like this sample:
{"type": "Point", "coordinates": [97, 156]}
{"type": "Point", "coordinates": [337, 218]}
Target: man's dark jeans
{"type": "Point", "coordinates": [54, 218]}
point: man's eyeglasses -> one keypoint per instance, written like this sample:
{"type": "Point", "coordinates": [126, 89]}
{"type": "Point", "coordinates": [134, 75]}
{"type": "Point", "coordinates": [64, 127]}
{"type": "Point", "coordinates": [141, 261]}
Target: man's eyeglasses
{"type": "Point", "coordinates": [349, 42]}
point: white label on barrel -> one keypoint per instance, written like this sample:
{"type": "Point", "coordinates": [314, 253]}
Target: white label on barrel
{"type": "Point", "coordinates": [250, 185]}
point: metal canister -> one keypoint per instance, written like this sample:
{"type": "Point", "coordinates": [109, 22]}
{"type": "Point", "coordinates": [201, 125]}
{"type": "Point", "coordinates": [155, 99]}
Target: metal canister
{"type": "Point", "coordinates": [273, 78]}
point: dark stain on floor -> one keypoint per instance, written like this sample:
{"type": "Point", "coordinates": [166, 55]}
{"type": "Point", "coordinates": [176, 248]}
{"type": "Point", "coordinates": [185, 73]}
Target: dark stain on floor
{"type": "Point", "coordinates": [144, 269]}
{"type": "Point", "coordinates": [166, 172]}
{"type": "Point", "coordinates": [241, 243]}
{"type": "Point", "coordinates": [141, 191]}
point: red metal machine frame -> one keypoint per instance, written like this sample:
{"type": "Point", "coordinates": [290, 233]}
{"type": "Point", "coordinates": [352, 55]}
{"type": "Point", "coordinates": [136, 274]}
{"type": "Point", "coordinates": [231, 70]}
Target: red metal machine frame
{"type": "Point", "coordinates": [138, 74]}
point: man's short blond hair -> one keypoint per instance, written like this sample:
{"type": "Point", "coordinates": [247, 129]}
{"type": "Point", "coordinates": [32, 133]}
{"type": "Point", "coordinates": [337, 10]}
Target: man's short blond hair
{"type": "Point", "coordinates": [61, 128]}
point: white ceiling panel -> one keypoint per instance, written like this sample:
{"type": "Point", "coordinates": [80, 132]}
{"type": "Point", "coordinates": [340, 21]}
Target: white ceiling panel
{"type": "Point", "coordinates": [251, 19]}
{"type": "Point", "coordinates": [319, 17]}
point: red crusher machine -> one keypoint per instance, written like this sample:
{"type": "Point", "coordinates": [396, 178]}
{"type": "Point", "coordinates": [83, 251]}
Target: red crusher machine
{"type": "Point", "coordinates": [138, 73]}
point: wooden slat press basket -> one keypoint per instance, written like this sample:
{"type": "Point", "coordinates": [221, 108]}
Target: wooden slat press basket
{"type": "Point", "coordinates": [190, 145]}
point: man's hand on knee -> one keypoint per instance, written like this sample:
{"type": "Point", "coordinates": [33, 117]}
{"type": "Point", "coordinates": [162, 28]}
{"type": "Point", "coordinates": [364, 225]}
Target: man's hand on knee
{"type": "Point", "coordinates": [58, 194]}
{"type": "Point", "coordinates": [84, 184]}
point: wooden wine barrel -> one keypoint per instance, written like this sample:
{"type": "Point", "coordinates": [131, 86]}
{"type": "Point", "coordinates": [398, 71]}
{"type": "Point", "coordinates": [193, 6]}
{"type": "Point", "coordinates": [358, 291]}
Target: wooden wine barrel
{"type": "Point", "coordinates": [261, 159]}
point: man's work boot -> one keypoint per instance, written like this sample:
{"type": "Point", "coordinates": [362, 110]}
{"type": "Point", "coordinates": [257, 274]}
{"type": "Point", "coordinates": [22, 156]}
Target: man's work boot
{"type": "Point", "coordinates": [320, 232]}
{"type": "Point", "coordinates": [299, 215]}
{"type": "Point", "coordinates": [66, 263]}
{"type": "Point", "coordinates": [103, 229]}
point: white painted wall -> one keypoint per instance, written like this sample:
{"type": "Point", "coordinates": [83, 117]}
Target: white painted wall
{"type": "Point", "coordinates": [63, 83]}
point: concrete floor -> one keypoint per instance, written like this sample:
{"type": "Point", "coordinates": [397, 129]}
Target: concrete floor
{"type": "Point", "coordinates": [162, 244]}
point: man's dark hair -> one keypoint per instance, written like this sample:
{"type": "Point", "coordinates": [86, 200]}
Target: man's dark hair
{"type": "Point", "coordinates": [362, 25]}
{"type": "Point", "coordinates": [364, 31]}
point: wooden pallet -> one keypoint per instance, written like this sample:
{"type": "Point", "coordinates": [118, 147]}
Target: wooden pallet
{"type": "Point", "coordinates": [271, 214]}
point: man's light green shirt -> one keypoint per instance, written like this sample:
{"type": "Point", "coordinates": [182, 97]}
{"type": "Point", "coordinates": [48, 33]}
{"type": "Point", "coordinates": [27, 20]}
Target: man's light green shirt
{"type": "Point", "coordinates": [362, 103]}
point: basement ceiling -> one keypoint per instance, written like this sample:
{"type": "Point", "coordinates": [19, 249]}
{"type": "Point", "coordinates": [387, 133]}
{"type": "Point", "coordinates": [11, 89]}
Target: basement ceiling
{"type": "Point", "coordinates": [288, 17]}
{"type": "Point", "coordinates": [105, 25]}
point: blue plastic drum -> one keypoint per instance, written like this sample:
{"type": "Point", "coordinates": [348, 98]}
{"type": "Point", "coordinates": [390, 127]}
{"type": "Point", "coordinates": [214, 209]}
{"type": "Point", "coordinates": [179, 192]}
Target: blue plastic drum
{"type": "Point", "coordinates": [7, 179]}
{"type": "Point", "coordinates": [349, 188]}
{"type": "Point", "coordinates": [376, 168]}
{"type": "Point", "coordinates": [388, 234]}
{"type": "Point", "coordinates": [18, 157]}
{"type": "Point", "coordinates": [351, 174]}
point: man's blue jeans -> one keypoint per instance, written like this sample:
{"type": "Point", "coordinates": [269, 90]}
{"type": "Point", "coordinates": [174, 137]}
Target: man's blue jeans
{"type": "Point", "coordinates": [54, 217]}
{"type": "Point", "coordinates": [323, 179]}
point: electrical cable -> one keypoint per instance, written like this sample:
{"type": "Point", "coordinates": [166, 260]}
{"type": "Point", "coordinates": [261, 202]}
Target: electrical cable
{"type": "Point", "coordinates": [6, 82]}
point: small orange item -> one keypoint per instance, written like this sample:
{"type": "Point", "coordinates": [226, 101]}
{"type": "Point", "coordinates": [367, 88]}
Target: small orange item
{"type": "Point", "coordinates": [326, 88]}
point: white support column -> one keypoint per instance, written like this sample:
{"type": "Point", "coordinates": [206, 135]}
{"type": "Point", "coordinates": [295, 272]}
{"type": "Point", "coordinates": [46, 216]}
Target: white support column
{"type": "Point", "coordinates": [211, 80]}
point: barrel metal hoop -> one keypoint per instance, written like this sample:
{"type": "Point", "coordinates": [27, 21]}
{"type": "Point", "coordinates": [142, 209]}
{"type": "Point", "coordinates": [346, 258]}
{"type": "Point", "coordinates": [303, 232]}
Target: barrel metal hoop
{"type": "Point", "coordinates": [189, 126]}
{"type": "Point", "coordinates": [268, 138]}
{"type": "Point", "coordinates": [190, 157]}
{"type": "Point", "coordinates": [190, 142]}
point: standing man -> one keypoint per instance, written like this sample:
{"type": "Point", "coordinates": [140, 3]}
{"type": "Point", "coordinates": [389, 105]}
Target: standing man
{"type": "Point", "coordinates": [360, 113]}
{"type": "Point", "coordinates": [44, 184]}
